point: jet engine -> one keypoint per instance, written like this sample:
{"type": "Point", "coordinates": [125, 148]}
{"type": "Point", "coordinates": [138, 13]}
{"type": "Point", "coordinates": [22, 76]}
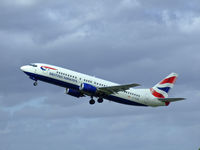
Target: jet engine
{"type": "Point", "coordinates": [88, 88]}
{"type": "Point", "coordinates": [73, 92]}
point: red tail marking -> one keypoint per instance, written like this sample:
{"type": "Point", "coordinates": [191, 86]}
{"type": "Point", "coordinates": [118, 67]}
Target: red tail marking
{"type": "Point", "coordinates": [169, 80]}
{"type": "Point", "coordinates": [156, 94]}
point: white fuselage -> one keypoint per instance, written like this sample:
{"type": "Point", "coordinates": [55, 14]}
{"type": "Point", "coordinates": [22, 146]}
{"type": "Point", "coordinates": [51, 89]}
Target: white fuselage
{"type": "Point", "coordinates": [71, 79]}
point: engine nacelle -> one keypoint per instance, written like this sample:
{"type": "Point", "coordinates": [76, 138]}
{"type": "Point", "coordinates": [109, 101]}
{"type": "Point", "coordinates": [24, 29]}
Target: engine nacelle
{"type": "Point", "coordinates": [73, 92]}
{"type": "Point", "coordinates": [88, 88]}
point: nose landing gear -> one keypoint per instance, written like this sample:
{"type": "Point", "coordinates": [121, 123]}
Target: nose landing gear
{"type": "Point", "coordinates": [35, 83]}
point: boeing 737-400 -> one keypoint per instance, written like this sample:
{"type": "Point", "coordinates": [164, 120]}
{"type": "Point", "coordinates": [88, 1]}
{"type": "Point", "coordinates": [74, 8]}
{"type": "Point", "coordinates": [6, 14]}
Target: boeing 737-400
{"type": "Point", "coordinates": [79, 85]}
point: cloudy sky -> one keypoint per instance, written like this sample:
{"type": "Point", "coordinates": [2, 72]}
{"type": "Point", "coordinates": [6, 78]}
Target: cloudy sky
{"type": "Point", "coordinates": [124, 41]}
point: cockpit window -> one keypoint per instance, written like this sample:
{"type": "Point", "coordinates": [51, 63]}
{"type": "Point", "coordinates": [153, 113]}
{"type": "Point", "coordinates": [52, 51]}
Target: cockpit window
{"type": "Point", "coordinates": [33, 65]}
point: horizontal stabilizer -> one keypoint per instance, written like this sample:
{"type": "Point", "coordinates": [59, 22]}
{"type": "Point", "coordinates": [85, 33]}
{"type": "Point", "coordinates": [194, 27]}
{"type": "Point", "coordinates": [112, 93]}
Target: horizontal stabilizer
{"type": "Point", "coordinates": [170, 99]}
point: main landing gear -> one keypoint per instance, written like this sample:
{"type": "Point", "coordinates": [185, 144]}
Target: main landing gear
{"type": "Point", "coordinates": [100, 100]}
{"type": "Point", "coordinates": [35, 83]}
{"type": "Point", "coordinates": [92, 101]}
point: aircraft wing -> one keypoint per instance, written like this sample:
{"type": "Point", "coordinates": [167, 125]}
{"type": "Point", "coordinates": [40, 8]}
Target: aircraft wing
{"type": "Point", "coordinates": [114, 89]}
{"type": "Point", "coordinates": [170, 99]}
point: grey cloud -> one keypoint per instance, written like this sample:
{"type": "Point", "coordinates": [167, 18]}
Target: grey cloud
{"type": "Point", "coordinates": [123, 41]}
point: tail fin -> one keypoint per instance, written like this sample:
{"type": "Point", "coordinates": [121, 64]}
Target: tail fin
{"type": "Point", "coordinates": [162, 89]}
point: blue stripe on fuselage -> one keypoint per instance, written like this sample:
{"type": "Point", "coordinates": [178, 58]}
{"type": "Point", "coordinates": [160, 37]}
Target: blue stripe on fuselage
{"type": "Point", "coordinates": [72, 86]}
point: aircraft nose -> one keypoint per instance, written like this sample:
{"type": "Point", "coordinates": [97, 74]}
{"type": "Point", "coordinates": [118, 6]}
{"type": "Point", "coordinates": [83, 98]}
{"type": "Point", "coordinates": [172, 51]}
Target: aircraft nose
{"type": "Point", "coordinates": [23, 68]}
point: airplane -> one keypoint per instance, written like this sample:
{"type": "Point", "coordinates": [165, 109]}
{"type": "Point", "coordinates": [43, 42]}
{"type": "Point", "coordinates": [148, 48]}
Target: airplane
{"type": "Point", "coordinates": [80, 85]}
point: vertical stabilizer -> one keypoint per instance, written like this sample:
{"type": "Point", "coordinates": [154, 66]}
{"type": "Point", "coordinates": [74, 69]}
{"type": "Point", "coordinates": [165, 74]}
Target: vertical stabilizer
{"type": "Point", "coordinates": [162, 89]}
